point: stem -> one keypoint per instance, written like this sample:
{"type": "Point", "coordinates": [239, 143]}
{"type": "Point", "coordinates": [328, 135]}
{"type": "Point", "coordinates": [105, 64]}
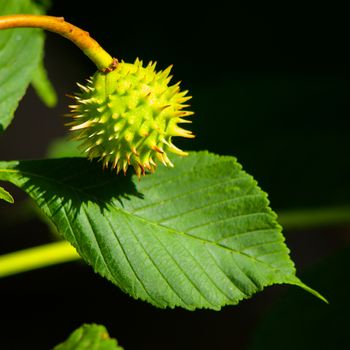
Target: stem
{"type": "Point", "coordinates": [37, 257]}
{"type": "Point", "coordinates": [79, 37]}
{"type": "Point", "coordinates": [314, 218]}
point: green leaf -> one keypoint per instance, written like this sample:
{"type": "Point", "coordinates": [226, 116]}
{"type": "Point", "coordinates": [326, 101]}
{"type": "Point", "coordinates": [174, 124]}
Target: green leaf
{"type": "Point", "coordinates": [89, 337]}
{"type": "Point", "coordinates": [64, 147]}
{"type": "Point", "coordinates": [200, 235]}
{"type": "Point", "coordinates": [44, 5]}
{"type": "Point", "coordinates": [43, 86]}
{"type": "Point", "coordinates": [5, 195]}
{"type": "Point", "coordinates": [20, 53]}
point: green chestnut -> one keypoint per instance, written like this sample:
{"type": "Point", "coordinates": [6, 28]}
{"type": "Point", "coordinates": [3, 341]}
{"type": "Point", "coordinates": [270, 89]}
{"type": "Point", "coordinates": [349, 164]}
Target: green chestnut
{"type": "Point", "coordinates": [128, 117]}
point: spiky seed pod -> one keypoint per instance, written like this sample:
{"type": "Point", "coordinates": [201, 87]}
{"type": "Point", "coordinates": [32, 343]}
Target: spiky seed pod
{"type": "Point", "coordinates": [129, 116]}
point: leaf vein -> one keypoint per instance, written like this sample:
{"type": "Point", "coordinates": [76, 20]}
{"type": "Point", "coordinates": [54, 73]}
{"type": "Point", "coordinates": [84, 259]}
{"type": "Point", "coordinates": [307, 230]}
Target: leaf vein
{"type": "Point", "coordinates": [236, 217]}
{"type": "Point", "coordinates": [187, 173]}
{"type": "Point", "coordinates": [211, 204]}
{"type": "Point", "coordinates": [127, 258]}
{"type": "Point", "coordinates": [155, 265]}
{"type": "Point", "coordinates": [183, 272]}
{"type": "Point", "coordinates": [184, 194]}
{"type": "Point", "coordinates": [225, 274]}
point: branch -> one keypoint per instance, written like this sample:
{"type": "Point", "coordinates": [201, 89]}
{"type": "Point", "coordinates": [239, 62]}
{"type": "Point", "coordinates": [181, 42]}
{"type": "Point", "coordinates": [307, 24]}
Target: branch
{"type": "Point", "coordinates": [37, 257]}
{"type": "Point", "coordinates": [79, 37]}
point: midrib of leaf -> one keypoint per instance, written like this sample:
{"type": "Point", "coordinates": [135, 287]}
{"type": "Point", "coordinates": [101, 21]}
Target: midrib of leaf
{"type": "Point", "coordinates": [202, 240]}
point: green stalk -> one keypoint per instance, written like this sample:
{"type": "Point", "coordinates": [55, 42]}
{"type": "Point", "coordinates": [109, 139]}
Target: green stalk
{"type": "Point", "coordinates": [303, 219]}
{"type": "Point", "coordinates": [37, 257]}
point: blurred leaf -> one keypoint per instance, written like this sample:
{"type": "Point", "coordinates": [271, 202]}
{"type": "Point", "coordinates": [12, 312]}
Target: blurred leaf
{"type": "Point", "coordinates": [315, 217]}
{"type": "Point", "coordinates": [299, 322]}
{"type": "Point", "coordinates": [20, 52]}
{"type": "Point", "coordinates": [89, 337]}
{"type": "Point", "coordinates": [44, 4]}
{"type": "Point", "coordinates": [200, 235]}
{"type": "Point", "coordinates": [5, 195]}
{"type": "Point", "coordinates": [63, 148]}
{"type": "Point", "coordinates": [43, 86]}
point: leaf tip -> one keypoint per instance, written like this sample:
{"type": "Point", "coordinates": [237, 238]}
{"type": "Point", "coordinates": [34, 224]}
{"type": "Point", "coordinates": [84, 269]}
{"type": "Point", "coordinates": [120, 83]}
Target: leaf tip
{"type": "Point", "coordinates": [314, 292]}
{"type": "Point", "coordinates": [6, 196]}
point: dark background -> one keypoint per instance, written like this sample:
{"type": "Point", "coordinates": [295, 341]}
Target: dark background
{"type": "Point", "coordinates": [271, 86]}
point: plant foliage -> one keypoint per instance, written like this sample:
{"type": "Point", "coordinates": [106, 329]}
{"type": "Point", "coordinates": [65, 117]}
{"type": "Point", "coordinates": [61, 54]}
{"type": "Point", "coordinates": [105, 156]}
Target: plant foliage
{"type": "Point", "coordinates": [5, 195]}
{"type": "Point", "coordinates": [20, 54]}
{"type": "Point", "coordinates": [200, 235]}
{"type": "Point", "coordinates": [89, 337]}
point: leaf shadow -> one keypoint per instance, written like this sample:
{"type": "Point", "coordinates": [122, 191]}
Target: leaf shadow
{"type": "Point", "coordinates": [72, 182]}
